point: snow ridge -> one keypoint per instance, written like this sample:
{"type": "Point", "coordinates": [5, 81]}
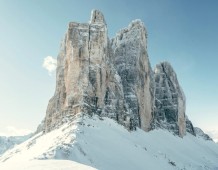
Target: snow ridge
{"type": "Point", "coordinates": [83, 141]}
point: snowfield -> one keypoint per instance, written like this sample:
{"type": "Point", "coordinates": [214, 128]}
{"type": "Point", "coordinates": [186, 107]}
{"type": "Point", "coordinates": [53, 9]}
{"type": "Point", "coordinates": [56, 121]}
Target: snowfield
{"type": "Point", "coordinates": [101, 143]}
{"type": "Point", "coordinates": [46, 165]}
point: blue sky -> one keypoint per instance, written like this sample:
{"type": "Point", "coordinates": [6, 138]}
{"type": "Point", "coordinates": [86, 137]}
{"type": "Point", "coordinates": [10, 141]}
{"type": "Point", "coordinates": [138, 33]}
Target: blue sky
{"type": "Point", "coordinates": [183, 32]}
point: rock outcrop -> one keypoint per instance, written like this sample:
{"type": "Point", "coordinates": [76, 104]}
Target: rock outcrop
{"type": "Point", "coordinates": [169, 100]}
{"type": "Point", "coordinates": [113, 78]}
{"type": "Point", "coordinates": [96, 76]}
{"type": "Point", "coordinates": [200, 134]}
{"type": "Point", "coordinates": [189, 127]}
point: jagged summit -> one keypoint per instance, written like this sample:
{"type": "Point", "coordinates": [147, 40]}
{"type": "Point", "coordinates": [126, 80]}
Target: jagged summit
{"type": "Point", "coordinates": [135, 30]}
{"type": "Point", "coordinates": [133, 66]}
{"type": "Point", "coordinates": [81, 72]}
{"type": "Point", "coordinates": [114, 78]}
{"type": "Point", "coordinates": [136, 23]}
{"type": "Point", "coordinates": [97, 17]}
{"type": "Point", "coordinates": [166, 68]}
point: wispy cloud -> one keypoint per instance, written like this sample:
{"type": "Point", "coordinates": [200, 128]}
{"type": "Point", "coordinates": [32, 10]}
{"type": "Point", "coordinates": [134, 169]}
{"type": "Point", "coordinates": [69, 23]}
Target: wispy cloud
{"type": "Point", "coordinates": [13, 131]}
{"type": "Point", "coordinates": [213, 134]}
{"type": "Point", "coordinates": [50, 64]}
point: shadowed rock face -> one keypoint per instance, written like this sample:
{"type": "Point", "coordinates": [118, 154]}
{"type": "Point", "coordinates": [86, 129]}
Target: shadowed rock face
{"type": "Point", "coordinates": [113, 78]}
{"type": "Point", "coordinates": [81, 71]}
{"type": "Point", "coordinates": [190, 127]}
{"type": "Point", "coordinates": [169, 100]}
{"type": "Point", "coordinates": [133, 66]}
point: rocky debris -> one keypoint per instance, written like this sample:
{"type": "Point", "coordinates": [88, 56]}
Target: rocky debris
{"type": "Point", "coordinates": [169, 100]}
{"type": "Point", "coordinates": [200, 134]}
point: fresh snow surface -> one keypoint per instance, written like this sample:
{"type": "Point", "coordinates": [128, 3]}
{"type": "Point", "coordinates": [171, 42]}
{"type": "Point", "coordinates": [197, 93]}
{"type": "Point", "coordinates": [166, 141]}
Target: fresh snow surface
{"type": "Point", "coordinates": [103, 144]}
{"type": "Point", "coordinates": [46, 165]}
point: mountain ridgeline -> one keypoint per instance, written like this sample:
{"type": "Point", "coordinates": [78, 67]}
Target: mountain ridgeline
{"type": "Point", "coordinates": [113, 78]}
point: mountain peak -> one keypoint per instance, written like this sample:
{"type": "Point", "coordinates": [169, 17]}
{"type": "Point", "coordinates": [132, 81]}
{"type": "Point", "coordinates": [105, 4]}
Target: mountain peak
{"type": "Point", "coordinates": [106, 89]}
{"type": "Point", "coordinates": [97, 17]}
{"type": "Point", "coordinates": [114, 78]}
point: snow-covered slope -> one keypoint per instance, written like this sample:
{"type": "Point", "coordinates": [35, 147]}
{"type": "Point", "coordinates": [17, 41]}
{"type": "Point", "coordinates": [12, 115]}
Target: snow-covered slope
{"type": "Point", "coordinates": [46, 165]}
{"type": "Point", "coordinates": [9, 142]}
{"type": "Point", "coordinates": [103, 144]}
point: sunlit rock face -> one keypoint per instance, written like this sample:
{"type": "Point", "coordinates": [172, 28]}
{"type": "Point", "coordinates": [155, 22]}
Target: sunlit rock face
{"type": "Point", "coordinates": [91, 78]}
{"type": "Point", "coordinates": [81, 71]}
{"type": "Point", "coordinates": [169, 100]}
{"type": "Point", "coordinates": [113, 78]}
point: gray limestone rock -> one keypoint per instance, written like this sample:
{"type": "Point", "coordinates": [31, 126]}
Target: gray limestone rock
{"type": "Point", "coordinates": [81, 71]}
{"type": "Point", "coordinates": [189, 127]}
{"type": "Point", "coordinates": [169, 100]}
{"type": "Point", "coordinates": [91, 78]}
{"type": "Point", "coordinates": [97, 17]}
{"type": "Point", "coordinates": [113, 78]}
{"type": "Point", "coordinates": [133, 66]}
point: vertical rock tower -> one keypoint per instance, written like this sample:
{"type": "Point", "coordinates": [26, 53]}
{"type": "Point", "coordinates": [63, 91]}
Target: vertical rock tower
{"type": "Point", "coordinates": [169, 100]}
{"type": "Point", "coordinates": [81, 71]}
{"type": "Point", "coordinates": [132, 64]}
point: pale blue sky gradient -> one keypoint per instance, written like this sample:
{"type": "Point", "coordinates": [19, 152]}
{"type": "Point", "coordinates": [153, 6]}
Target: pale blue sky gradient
{"type": "Point", "coordinates": [183, 32]}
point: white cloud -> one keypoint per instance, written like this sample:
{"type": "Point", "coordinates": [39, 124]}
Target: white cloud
{"type": "Point", "coordinates": [50, 64]}
{"type": "Point", "coordinates": [213, 134]}
{"type": "Point", "coordinates": [13, 131]}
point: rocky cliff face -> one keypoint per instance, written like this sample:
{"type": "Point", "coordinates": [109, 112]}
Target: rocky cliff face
{"type": "Point", "coordinates": [81, 71]}
{"type": "Point", "coordinates": [96, 76]}
{"type": "Point", "coordinates": [7, 143]}
{"type": "Point", "coordinates": [189, 127]}
{"type": "Point", "coordinates": [169, 100]}
{"type": "Point", "coordinates": [113, 78]}
{"type": "Point", "coordinates": [133, 66]}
